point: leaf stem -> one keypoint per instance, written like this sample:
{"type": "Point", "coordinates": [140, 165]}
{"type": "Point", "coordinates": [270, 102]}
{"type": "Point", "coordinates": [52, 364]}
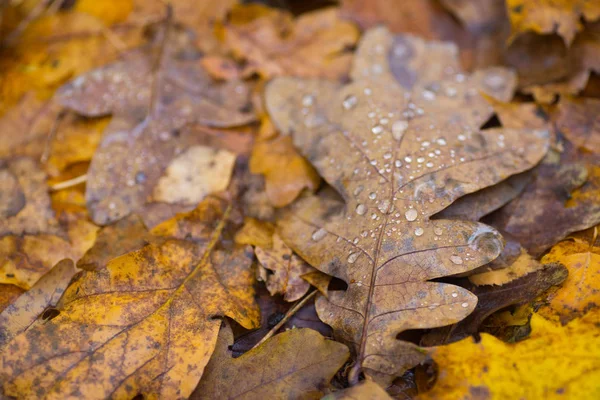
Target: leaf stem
{"type": "Point", "coordinates": [287, 316]}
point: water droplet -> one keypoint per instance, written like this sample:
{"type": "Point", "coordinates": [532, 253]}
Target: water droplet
{"type": "Point", "coordinates": [454, 294]}
{"type": "Point", "coordinates": [398, 128]}
{"type": "Point", "coordinates": [465, 305]}
{"type": "Point", "coordinates": [352, 257]}
{"type": "Point", "coordinates": [411, 214]}
{"type": "Point", "coordinates": [384, 121]}
{"type": "Point", "coordinates": [441, 141]}
{"type": "Point", "coordinates": [450, 92]}
{"type": "Point", "coordinates": [387, 156]}
{"type": "Point", "coordinates": [421, 160]}
{"type": "Point", "coordinates": [428, 95]}
{"type": "Point", "coordinates": [361, 209]}
{"type": "Point", "coordinates": [462, 137]}
{"type": "Point", "coordinates": [408, 159]}
{"type": "Point", "coordinates": [437, 230]}
{"type": "Point", "coordinates": [456, 259]}
{"type": "Point", "coordinates": [398, 163]}
{"type": "Point", "coordinates": [494, 81]}
{"type": "Point", "coordinates": [377, 129]}
{"type": "Point", "coordinates": [319, 234]}
{"type": "Point", "coordinates": [372, 195]}
{"type": "Point", "coordinates": [367, 91]}
{"type": "Point", "coordinates": [349, 102]}
{"type": "Point", "coordinates": [358, 189]}
{"type": "Point", "coordinates": [419, 231]}
{"type": "Point", "coordinates": [308, 100]}
{"type": "Point", "coordinates": [429, 164]}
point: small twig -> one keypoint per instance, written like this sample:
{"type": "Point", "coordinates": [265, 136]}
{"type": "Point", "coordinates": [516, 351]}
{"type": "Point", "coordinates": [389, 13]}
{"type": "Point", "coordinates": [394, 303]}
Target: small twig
{"type": "Point", "coordinates": [50, 138]}
{"type": "Point", "coordinates": [69, 183]}
{"type": "Point", "coordinates": [287, 316]}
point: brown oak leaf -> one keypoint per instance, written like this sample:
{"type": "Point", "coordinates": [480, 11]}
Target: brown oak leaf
{"type": "Point", "coordinates": [399, 143]}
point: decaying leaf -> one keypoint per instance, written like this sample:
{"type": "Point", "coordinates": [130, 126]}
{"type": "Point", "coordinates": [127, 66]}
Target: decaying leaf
{"type": "Point", "coordinates": [365, 390]}
{"type": "Point", "coordinates": [579, 121]}
{"type": "Point", "coordinates": [492, 298]}
{"type": "Point", "coordinates": [146, 323]}
{"type": "Point", "coordinates": [24, 311]}
{"type": "Point", "coordinates": [152, 93]}
{"type": "Point", "coordinates": [555, 362]}
{"type": "Point", "coordinates": [286, 172]}
{"type": "Point", "coordinates": [298, 363]}
{"type": "Point", "coordinates": [399, 144]}
{"type": "Point", "coordinates": [548, 16]}
{"type": "Point", "coordinates": [562, 198]}
{"type": "Point", "coordinates": [272, 43]}
{"type": "Point", "coordinates": [580, 292]}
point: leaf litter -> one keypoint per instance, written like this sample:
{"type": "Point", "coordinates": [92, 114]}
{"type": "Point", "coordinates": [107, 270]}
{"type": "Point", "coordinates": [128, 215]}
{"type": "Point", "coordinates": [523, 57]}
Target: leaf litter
{"type": "Point", "coordinates": [169, 109]}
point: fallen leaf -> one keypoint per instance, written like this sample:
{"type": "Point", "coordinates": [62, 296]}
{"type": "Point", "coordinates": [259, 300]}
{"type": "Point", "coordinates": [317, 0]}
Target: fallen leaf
{"type": "Point", "coordinates": [562, 198]}
{"type": "Point", "coordinates": [548, 16]}
{"type": "Point", "coordinates": [146, 323]}
{"type": "Point", "coordinates": [399, 144]}
{"type": "Point", "coordinates": [286, 172]}
{"type": "Point", "coordinates": [555, 362]}
{"type": "Point", "coordinates": [256, 233]}
{"type": "Point", "coordinates": [580, 293]}
{"type": "Point", "coordinates": [194, 174]}
{"type": "Point", "coordinates": [25, 310]}
{"type": "Point", "coordinates": [491, 298]}
{"type": "Point", "coordinates": [365, 390]}
{"type": "Point", "coordinates": [310, 363]}
{"type": "Point", "coordinates": [478, 16]}
{"type": "Point", "coordinates": [272, 43]}
{"type": "Point", "coordinates": [151, 94]}
{"type": "Point", "coordinates": [8, 294]}
{"type": "Point", "coordinates": [579, 121]}
{"type": "Point", "coordinates": [287, 270]}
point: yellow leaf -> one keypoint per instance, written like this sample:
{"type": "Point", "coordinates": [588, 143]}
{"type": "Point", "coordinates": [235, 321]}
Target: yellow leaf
{"type": "Point", "coordinates": [549, 16]}
{"type": "Point", "coordinates": [286, 172]}
{"type": "Point", "coordinates": [555, 362]}
{"type": "Point", "coordinates": [581, 291]}
{"type": "Point", "coordinates": [145, 324]}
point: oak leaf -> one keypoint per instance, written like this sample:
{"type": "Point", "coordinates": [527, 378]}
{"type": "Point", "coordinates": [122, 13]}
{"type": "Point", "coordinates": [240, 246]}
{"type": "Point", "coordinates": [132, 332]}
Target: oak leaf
{"type": "Point", "coordinates": [152, 94]}
{"type": "Point", "coordinates": [549, 16]}
{"type": "Point", "coordinates": [555, 362]}
{"type": "Point", "coordinates": [399, 144]}
{"type": "Point", "coordinates": [144, 324]}
{"type": "Point", "coordinates": [298, 363]}
{"type": "Point", "coordinates": [272, 43]}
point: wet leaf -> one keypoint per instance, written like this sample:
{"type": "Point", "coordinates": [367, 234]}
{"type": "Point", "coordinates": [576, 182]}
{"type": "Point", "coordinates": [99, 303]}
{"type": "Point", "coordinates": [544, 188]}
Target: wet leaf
{"type": "Point", "coordinates": [286, 172]}
{"type": "Point", "coordinates": [580, 292]}
{"type": "Point", "coordinates": [152, 93]}
{"type": "Point", "coordinates": [555, 362]}
{"type": "Point", "coordinates": [146, 323]}
{"type": "Point", "coordinates": [399, 144]}
{"type": "Point", "coordinates": [272, 43]}
{"type": "Point", "coordinates": [492, 297]}
{"type": "Point", "coordinates": [548, 16]}
{"type": "Point", "coordinates": [365, 390]}
{"type": "Point", "coordinates": [298, 363]}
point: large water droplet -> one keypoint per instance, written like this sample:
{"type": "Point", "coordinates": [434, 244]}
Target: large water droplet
{"type": "Point", "coordinates": [456, 259]}
{"type": "Point", "coordinates": [319, 234]}
{"type": "Point", "coordinates": [437, 230]}
{"type": "Point", "coordinates": [358, 189]}
{"type": "Point", "coordinates": [361, 209]}
{"type": "Point", "coordinates": [372, 195]}
{"type": "Point", "coordinates": [419, 231]}
{"type": "Point", "coordinates": [411, 214]}
{"type": "Point", "coordinates": [352, 257]}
